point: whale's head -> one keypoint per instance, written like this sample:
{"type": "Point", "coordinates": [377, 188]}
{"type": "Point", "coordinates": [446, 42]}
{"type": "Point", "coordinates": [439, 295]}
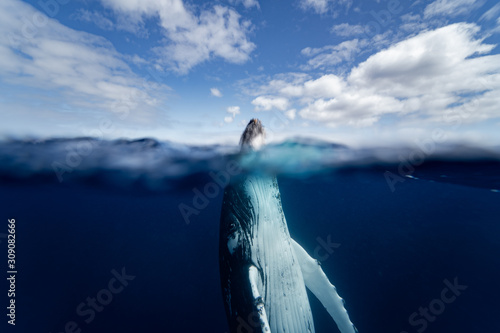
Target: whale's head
{"type": "Point", "coordinates": [253, 136]}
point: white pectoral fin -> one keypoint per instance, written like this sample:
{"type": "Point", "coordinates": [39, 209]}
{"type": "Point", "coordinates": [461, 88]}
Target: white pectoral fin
{"type": "Point", "coordinates": [317, 282]}
{"type": "Point", "coordinates": [257, 298]}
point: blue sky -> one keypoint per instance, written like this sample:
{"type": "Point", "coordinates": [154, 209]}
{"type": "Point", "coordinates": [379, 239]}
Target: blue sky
{"type": "Point", "coordinates": [361, 73]}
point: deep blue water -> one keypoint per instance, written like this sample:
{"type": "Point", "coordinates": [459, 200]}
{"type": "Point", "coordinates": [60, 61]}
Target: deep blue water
{"type": "Point", "coordinates": [116, 207]}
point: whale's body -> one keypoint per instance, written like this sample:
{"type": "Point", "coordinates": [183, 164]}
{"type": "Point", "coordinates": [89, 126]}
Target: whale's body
{"type": "Point", "coordinates": [264, 272]}
{"type": "Point", "coordinates": [254, 233]}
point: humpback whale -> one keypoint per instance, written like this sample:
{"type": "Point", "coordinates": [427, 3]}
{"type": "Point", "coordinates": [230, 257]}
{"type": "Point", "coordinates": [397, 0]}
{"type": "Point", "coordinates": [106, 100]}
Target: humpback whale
{"type": "Point", "coordinates": [264, 273]}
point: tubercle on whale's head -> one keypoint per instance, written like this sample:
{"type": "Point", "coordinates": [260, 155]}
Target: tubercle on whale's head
{"type": "Point", "coordinates": [253, 136]}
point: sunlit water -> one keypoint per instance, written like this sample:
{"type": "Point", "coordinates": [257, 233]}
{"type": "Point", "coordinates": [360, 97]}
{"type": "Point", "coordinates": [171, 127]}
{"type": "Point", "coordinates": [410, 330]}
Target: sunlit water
{"type": "Point", "coordinates": [394, 228]}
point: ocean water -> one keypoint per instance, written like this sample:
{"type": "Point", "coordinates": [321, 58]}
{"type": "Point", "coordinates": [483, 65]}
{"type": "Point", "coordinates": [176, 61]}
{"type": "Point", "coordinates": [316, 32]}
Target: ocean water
{"type": "Point", "coordinates": [122, 236]}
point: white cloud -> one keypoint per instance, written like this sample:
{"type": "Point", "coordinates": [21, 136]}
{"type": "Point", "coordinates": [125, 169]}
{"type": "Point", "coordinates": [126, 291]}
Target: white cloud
{"type": "Point", "coordinates": [492, 13]}
{"type": "Point", "coordinates": [234, 110]}
{"type": "Point", "coordinates": [423, 77]}
{"type": "Point", "coordinates": [246, 3]}
{"type": "Point", "coordinates": [267, 103]}
{"type": "Point", "coordinates": [290, 114]}
{"type": "Point", "coordinates": [297, 86]}
{"type": "Point", "coordinates": [431, 61]}
{"type": "Point", "coordinates": [324, 6]}
{"type": "Point", "coordinates": [331, 55]}
{"type": "Point", "coordinates": [347, 30]}
{"type": "Point", "coordinates": [450, 7]}
{"type": "Point", "coordinates": [129, 23]}
{"type": "Point", "coordinates": [324, 87]}
{"type": "Point", "coordinates": [319, 6]}
{"type": "Point", "coordinates": [283, 84]}
{"type": "Point", "coordinates": [413, 23]}
{"type": "Point", "coordinates": [190, 38]}
{"type": "Point", "coordinates": [81, 69]}
{"type": "Point", "coordinates": [94, 17]}
{"type": "Point", "coordinates": [215, 92]}
{"type": "Point", "coordinates": [479, 108]}
{"type": "Point", "coordinates": [352, 108]}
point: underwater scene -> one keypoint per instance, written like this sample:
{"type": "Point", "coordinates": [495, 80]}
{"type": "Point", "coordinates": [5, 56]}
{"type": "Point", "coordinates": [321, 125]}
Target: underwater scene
{"type": "Point", "coordinates": [123, 235]}
{"type": "Point", "coordinates": [249, 166]}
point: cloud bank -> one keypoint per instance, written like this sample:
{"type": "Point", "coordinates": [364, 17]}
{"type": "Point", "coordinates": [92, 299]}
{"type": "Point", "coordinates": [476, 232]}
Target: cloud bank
{"type": "Point", "coordinates": [191, 38]}
{"type": "Point", "coordinates": [78, 68]}
{"type": "Point", "coordinates": [428, 77]}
